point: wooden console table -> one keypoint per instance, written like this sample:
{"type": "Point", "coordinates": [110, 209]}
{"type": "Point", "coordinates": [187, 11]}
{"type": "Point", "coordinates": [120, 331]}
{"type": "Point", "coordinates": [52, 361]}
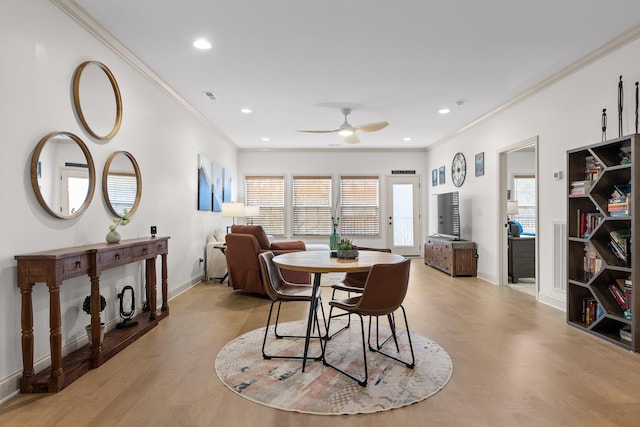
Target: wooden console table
{"type": "Point", "coordinates": [455, 257]}
{"type": "Point", "coordinates": [52, 268]}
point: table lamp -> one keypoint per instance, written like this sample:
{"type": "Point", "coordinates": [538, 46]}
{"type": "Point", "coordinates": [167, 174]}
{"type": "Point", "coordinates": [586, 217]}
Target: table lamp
{"type": "Point", "coordinates": [232, 210]}
{"type": "Point", "coordinates": [250, 212]}
{"type": "Point", "coordinates": [512, 209]}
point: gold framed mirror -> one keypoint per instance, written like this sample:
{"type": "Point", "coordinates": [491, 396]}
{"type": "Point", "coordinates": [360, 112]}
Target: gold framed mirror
{"type": "Point", "coordinates": [63, 175]}
{"type": "Point", "coordinates": [97, 99]}
{"type": "Point", "coordinates": [121, 183]}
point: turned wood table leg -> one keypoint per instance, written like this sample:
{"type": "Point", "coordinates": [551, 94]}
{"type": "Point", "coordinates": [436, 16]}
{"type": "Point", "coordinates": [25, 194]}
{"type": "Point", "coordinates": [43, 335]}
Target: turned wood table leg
{"type": "Point", "coordinates": [151, 287]}
{"type": "Point", "coordinates": [56, 380]}
{"type": "Point", "coordinates": [97, 357]}
{"type": "Point", "coordinates": [27, 338]}
{"type": "Point", "coordinates": [165, 292]}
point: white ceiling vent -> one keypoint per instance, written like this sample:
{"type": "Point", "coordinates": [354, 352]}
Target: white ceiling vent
{"type": "Point", "coordinates": [210, 95]}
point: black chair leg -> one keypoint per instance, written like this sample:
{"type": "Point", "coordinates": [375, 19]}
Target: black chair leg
{"type": "Point", "coordinates": [362, 383]}
{"type": "Point", "coordinates": [411, 364]}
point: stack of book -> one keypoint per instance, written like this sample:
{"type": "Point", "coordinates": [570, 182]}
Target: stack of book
{"type": "Point", "coordinates": [625, 334]}
{"type": "Point", "coordinates": [620, 245]}
{"type": "Point", "coordinates": [591, 310]}
{"type": "Point", "coordinates": [588, 222]}
{"type": "Point", "coordinates": [620, 201]}
{"type": "Point", "coordinates": [619, 296]}
{"type": "Point", "coordinates": [592, 168]}
{"type": "Point", "coordinates": [592, 263]}
{"type": "Point", "coordinates": [577, 188]}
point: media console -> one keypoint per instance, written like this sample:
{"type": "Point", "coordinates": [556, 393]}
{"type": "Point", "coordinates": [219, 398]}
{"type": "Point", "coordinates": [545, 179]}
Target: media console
{"type": "Point", "coordinates": [455, 257]}
{"type": "Point", "coordinates": [55, 266]}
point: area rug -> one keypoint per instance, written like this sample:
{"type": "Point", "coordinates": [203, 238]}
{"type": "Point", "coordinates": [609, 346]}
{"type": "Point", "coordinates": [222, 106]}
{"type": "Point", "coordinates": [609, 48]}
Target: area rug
{"type": "Point", "coordinates": [281, 384]}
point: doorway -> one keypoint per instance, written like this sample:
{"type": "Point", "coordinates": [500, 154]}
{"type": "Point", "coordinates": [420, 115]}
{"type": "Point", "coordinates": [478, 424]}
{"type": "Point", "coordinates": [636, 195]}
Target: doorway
{"type": "Point", "coordinates": [519, 217]}
{"type": "Point", "coordinates": [403, 195]}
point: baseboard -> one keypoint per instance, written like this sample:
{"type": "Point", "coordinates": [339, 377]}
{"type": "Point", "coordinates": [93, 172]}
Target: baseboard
{"type": "Point", "coordinates": [10, 386]}
{"type": "Point", "coordinates": [552, 301]}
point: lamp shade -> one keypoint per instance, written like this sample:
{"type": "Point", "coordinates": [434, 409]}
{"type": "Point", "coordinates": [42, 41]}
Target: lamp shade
{"type": "Point", "coordinates": [233, 209]}
{"type": "Point", "coordinates": [250, 211]}
{"type": "Point", "coordinates": [512, 207]}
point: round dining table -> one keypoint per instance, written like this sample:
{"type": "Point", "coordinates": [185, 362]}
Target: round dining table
{"type": "Point", "coordinates": [318, 262]}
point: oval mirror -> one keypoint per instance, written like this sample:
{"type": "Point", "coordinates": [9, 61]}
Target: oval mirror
{"type": "Point", "coordinates": [121, 183]}
{"type": "Point", "coordinates": [63, 175]}
{"type": "Point", "coordinates": [97, 99]}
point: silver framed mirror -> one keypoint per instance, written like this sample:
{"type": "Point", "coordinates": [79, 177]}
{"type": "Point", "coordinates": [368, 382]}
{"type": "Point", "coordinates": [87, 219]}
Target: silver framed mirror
{"type": "Point", "coordinates": [63, 175]}
{"type": "Point", "coordinates": [121, 183]}
{"type": "Point", "coordinates": [97, 100]}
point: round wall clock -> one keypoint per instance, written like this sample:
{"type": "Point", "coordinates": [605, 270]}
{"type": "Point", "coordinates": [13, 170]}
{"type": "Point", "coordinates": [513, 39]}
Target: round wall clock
{"type": "Point", "coordinates": [458, 169]}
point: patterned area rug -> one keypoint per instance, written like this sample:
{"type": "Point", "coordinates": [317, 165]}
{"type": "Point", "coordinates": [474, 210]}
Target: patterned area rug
{"type": "Point", "coordinates": [281, 384]}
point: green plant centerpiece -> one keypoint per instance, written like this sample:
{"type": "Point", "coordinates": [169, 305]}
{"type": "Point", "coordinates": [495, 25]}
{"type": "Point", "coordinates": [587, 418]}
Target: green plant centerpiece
{"type": "Point", "coordinates": [113, 236]}
{"type": "Point", "coordinates": [86, 307]}
{"type": "Point", "coordinates": [346, 250]}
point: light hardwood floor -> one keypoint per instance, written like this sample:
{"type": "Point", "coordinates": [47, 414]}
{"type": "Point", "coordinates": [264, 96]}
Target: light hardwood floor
{"type": "Point", "coordinates": [516, 363]}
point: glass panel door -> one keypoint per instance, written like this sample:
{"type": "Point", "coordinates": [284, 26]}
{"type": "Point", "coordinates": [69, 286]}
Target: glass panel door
{"type": "Point", "coordinates": [404, 215]}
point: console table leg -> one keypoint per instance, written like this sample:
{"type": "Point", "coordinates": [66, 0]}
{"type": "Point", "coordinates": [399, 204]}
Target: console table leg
{"type": "Point", "coordinates": [165, 293]}
{"type": "Point", "coordinates": [97, 358]}
{"type": "Point", "coordinates": [56, 380]}
{"type": "Point", "coordinates": [27, 338]}
{"type": "Point", "coordinates": [151, 287]}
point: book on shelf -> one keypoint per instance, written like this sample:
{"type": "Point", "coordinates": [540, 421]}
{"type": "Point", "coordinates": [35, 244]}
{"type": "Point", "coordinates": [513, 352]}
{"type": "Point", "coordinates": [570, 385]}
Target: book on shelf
{"type": "Point", "coordinates": [588, 222]}
{"type": "Point", "coordinates": [618, 295]}
{"type": "Point", "coordinates": [591, 263]}
{"type": "Point", "coordinates": [580, 187]}
{"type": "Point", "coordinates": [592, 168]}
{"type": "Point", "coordinates": [625, 333]}
{"type": "Point", "coordinates": [591, 310]}
{"type": "Point", "coordinates": [620, 245]}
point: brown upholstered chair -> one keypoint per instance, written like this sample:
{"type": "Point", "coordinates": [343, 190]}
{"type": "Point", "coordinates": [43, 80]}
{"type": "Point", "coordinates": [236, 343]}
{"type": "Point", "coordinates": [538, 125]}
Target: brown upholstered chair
{"type": "Point", "coordinates": [244, 244]}
{"type": "Point", "coordinates": [382, 295]}
{"type": "Point", "coordinates": [279, 290]}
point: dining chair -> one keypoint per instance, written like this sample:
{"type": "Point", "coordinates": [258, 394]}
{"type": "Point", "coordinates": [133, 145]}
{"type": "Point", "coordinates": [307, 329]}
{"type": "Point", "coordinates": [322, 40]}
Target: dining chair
{"type": "Point", "coordinates": [382, 295]}
{"type": "Point", "coordinates": [279, 290]}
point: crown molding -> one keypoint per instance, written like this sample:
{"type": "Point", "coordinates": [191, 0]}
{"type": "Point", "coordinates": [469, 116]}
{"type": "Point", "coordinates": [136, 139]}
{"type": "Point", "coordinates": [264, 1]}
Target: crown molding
{"type": "Point", "coordinates": [71, 8]}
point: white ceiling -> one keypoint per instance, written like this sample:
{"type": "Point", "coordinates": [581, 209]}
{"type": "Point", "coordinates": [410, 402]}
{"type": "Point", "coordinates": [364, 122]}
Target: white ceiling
{"type": "Point", "coordinates": [295, 63]}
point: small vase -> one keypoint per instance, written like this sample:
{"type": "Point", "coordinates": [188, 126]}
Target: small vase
{"type": "Point", "coordinates": [347, 253]}
{"type": "Point", "coordinates": [113, 236]}
{"type": "Point", "coordinates": [334, 239]}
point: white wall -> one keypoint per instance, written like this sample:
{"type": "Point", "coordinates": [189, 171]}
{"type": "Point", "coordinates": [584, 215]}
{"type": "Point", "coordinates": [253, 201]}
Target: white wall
{"type": "Point", "coordinates": [40, 48]}
{"type": "Point", "coordinates": [335, 163]}
{"type": "Point", "coordinates": [565, 115]}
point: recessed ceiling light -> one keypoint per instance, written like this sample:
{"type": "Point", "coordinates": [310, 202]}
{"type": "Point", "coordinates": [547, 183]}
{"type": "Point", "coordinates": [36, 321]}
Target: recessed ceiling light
{"type": "Point", "coordinates": [246, 110]}
{"type": "Point", "coordinates": [407, 139]}
{"type": "Point", "coordinates": [265, 139]}
{"type": "Point", "coordinates": [444, 111]}
{"type": "Point", "coordinates": [202, 44]}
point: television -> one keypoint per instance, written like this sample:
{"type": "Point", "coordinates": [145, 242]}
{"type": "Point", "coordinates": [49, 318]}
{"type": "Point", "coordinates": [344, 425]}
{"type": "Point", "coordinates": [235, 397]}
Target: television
{"type": "Point", "coordinates": [449, 215]}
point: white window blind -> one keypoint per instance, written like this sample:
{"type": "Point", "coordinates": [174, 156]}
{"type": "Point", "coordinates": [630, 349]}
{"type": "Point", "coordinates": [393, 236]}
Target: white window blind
{"type": "Point", "coordinates": [359, 205]}
{"type": "Point", "coordinates": [121, 187]}
{"type": "Point", "coordinates": [267, 192]}
{"type": "Point", "coordinates": [312, 205]}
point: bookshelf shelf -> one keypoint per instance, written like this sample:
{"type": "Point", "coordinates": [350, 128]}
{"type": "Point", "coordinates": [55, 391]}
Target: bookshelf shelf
{"type": "Point", "coordinates": [602, 270]}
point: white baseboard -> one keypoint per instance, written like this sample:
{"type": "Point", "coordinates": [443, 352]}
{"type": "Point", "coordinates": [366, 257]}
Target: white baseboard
{"type": "Point", "coordinates": [10, 386]}
{"type": "Point", "coordinates": [552, 301]}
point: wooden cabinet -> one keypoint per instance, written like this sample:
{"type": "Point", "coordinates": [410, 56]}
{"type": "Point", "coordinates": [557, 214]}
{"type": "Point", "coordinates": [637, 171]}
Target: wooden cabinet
{"type": "Point", "coordinates": [602, 240]}
{"type": "Point", "coordinates": [55, 266]}
{"type": "Point", "coordinates": [455, 257]}
{"type": "Point", "coordinates": [522, 257]}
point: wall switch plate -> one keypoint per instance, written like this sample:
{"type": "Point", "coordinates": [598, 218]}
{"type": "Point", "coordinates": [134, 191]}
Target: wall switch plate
{"type": "Point", "coordinates": [557, 175]}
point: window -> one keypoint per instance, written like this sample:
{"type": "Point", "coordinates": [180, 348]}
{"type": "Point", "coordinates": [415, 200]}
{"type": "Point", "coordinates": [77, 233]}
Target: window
{"type": "Point", "coordinates": [525, 193]}
{"type": "Point", "coordinates": [121, 187]}
{"type": "Point", "coordinates": [359, 205]}
{"type": "Point", "coordinates": [312, 205]}
{"type": "Point", "coordinates": [267, 192]}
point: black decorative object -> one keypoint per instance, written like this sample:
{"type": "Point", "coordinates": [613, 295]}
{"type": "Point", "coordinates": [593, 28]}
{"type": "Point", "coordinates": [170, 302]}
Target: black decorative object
{"type": "Point", "coordinates": [604, 124]}
{"type": "Point", "coordinates": [127, 307]}
{"type": "Point", "coordinates": [636, 107]}
{"type": "Point", "coordinates": [620, 102]}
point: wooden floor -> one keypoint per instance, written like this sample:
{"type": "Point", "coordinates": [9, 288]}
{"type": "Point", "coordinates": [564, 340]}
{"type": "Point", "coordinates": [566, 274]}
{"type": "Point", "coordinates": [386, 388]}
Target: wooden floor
{"type": "Point", "coordinates": [516, 363]}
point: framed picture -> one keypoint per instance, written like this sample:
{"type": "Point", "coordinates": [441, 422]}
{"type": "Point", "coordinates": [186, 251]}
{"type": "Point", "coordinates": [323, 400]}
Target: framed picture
{"type": "Point", "coordinates": [441, 175]}
{"type": "Point", "coordinates": [204, 183]}
{"type": "Point", "coordinates": [434, 177]}
{"type": "Point", "coordinates": [480, 164]}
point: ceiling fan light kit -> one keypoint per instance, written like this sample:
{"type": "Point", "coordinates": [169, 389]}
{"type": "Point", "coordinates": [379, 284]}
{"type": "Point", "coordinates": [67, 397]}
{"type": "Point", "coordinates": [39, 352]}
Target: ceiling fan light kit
{"type": "Point", "coordinates": [348, 132]}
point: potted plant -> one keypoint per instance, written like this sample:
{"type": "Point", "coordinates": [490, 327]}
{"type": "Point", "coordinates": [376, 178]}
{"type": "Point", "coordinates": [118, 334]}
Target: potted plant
{"type": "Point", "coordinates": [86, 307]}
{"type": "Point", "coordinates": [113, 236]}
{"type": "Point", "coordinates": [346, 250]}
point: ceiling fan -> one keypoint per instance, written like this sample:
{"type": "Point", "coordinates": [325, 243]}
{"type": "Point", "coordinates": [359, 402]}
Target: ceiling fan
{"type": "Point", "coordinates": [348, 132]}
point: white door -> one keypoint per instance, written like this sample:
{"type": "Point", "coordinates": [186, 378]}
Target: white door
{"type": "Point", "coordinates": [403, 194]}
{"type": "Point", "coordinates": [74, 186]}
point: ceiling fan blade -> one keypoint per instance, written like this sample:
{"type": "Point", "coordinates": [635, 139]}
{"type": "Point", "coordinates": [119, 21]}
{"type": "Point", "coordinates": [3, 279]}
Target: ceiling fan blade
{"type": "Point", "coordinates": [352, 139]}
{"type": "Point", "coordinates": [318, 131]}
{"type": "Point", "coordinates": [372, 127]}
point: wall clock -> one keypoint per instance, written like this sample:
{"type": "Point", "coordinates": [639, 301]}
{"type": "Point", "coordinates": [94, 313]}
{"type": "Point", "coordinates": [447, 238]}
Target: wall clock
{"type": "Point", "coordinates": [458, 169]}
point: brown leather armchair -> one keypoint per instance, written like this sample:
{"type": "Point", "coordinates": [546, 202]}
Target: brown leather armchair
{"type": "Point", "coordinates": [244, 244]}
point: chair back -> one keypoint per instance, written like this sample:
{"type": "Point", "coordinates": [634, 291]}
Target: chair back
{"type": "Point", "coordinates": [357, 280]}
{"type": "Point", "coordinates": [385, 289]}
{"type": "Point", "coordinates": [271, 276]}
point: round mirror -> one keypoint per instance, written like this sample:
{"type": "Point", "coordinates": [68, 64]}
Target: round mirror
{"type": "Point", "coordinates": [97, 99]}
{"type": "Point", "coordinates": [121, 183]}
{"type": "Point", "coordinates": [63, 175]}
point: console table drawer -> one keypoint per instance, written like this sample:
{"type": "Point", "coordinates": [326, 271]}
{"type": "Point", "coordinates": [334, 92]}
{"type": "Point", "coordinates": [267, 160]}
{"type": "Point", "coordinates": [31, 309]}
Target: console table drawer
{"type": "Point", "coordinates": [74, 266]}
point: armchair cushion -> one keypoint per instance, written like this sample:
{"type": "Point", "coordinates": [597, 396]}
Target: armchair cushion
{"type": "Point", "coordinates": [257, 231]}
{"type": "Point", "coordinates": [297, 245]}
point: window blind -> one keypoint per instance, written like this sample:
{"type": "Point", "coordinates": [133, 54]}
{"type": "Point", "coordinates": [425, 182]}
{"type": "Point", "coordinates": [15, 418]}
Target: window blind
{"type": "Point", "coordinates": [312, 205]}
{"type": "Point", "coordinates": [359, 205]}
{"type": "Point", "coordinates": [121, 187]}
{"type": "Point", "coordinates": [267, 192]}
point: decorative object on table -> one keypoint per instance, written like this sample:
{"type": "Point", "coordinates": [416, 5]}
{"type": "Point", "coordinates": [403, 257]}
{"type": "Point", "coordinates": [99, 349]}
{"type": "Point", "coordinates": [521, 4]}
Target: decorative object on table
{"type": "Point", "coordinates": [434, 177]}
{"type": "Point", "coordinates": [113, 236]}
{"type": "Point", "coordinates": [346, 250]}
{"type": "Point", "coordinates": [86, 307]}
{"type": "Point", "coordinates": [334, 239]}
{"type": "Point", "coordinates": [319, 390]}
{"type": "Point", "coordinates": [441, 173]}
{"type": "Point", "coordinates": [458, 169]}
{"type": "Point", "coordinates": [127, 307]}
{"type": "Point", "coordinates": [620, 102]}
{"type": "Point", "coordinates": [604, 124]}
{"type": "Point", "coordinates": [154, 231]}
{"type": "Point", "coordinates": [480, 164]}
